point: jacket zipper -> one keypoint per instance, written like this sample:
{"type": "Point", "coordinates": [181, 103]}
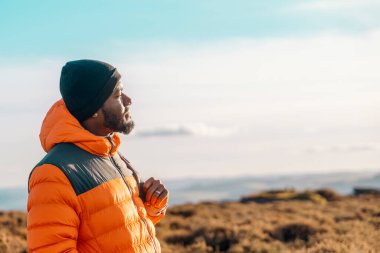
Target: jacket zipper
{"type": "Point", "coordinates": [130, 191]}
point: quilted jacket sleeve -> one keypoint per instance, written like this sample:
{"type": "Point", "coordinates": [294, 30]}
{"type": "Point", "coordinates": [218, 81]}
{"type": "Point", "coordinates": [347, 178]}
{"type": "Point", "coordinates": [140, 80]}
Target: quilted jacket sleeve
{"type": "Point", "coordinates": [53, 212]}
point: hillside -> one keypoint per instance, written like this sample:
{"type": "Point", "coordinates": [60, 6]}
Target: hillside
{"type": "Point", "coordinates": [339, 224]}
{"type": "Point", "coordinates": [348, 224]}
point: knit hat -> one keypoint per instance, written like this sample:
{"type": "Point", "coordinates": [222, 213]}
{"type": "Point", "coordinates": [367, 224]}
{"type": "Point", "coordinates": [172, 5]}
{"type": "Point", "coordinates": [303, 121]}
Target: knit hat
{"type": "Point", "coordinates": [85, 85]}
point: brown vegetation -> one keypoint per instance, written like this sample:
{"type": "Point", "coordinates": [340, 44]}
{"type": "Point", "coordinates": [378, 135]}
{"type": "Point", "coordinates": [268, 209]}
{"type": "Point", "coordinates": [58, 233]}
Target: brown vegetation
{"type": "Point", "coordinates": [12, 232]}
{"type": "Point", "coordinates": [298, 223]}
{"type": "Point", "coordinates": [320, 196]}
{"type": "Point", "coordinates": [337, 225]}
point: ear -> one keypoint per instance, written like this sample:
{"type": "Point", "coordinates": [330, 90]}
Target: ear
{"type": "Point", "coordinates": [97, 114]}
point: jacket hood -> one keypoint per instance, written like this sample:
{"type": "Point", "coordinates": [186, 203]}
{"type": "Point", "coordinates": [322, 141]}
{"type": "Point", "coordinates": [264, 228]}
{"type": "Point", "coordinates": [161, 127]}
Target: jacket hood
{"type": "Point", "coordinates": [61, 126]}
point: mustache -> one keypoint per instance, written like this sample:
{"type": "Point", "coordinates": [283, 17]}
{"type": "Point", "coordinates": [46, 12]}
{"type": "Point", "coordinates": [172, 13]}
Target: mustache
{"type": "Point", "coordinates": [126, 110]}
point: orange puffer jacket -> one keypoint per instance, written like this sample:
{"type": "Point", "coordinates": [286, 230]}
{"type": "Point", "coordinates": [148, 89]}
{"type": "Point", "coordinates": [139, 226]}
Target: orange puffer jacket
{"type": "Point", "coordinates": [108, 216]}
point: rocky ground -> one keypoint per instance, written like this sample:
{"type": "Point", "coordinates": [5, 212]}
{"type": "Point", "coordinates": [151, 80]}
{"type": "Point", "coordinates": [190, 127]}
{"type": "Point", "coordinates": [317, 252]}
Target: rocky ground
{"type": "Point", "coordinates": [324, 224]}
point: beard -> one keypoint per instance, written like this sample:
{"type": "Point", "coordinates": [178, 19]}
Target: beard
{"type": "Point", "coordinates": [116, 123]}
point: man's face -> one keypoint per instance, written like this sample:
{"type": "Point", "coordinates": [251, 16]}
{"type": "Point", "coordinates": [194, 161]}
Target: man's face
{"type": "Point", "coordinates": [117, 116]}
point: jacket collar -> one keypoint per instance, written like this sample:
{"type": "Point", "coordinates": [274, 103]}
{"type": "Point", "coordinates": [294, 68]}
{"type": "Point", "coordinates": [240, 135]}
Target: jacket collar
{"type": "Point", "coordinates": [60, 126]}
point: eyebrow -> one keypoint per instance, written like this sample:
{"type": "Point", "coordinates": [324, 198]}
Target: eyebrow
{"type": "Point", "coordinates": [118, 88]}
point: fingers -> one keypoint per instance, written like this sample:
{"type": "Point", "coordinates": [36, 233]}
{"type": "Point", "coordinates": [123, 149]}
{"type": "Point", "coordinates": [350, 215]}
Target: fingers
{"type": "Point", "coordinates": [162, 199]}
{"type": "Point", "coordinates": [155, 192]}
{"type": "Point", "coordinates": [158, 195]}
{"type": "Point", "coordinates": [148, 184]}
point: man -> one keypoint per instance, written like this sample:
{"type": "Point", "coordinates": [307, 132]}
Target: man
{"type": "Point", "coordinates": [83, 195]}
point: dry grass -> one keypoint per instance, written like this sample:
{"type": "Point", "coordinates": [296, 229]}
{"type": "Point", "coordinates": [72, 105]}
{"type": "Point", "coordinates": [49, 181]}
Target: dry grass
{"type": "Point", "coordinates": [346, 224]}
{"type": "Point", "coordinates": [340, 225]}
{"type": "Point", "coordinates": [12, 232]}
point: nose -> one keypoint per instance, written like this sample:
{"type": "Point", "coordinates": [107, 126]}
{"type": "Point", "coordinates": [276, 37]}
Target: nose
{"type": "Point", "coordinates": [127, 101]}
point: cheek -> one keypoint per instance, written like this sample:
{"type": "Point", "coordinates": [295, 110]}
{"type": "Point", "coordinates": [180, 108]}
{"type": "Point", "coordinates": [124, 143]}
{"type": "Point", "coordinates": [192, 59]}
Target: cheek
{"type": "Point", "coordinates": [121, 107]}
{"type": "Point", "coordinates": [117, 105]}
{"type": "Point", "coordinates": [115, 108]}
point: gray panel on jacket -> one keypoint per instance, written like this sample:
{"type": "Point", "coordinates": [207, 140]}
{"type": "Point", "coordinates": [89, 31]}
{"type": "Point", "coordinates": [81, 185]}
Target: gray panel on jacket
{"type": "Point", "coordinates": [83, 169]}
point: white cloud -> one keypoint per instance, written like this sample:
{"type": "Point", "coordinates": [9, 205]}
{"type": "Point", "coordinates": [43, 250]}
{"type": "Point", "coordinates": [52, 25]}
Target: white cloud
{"type": "Point", "coordinates": [195, 129]}
{"type": "Point", "coordinates": [351, 148]}
{"type": "Point", "coordinates": [326, 79]}
{"type": "Point", "coordinates": [293, 61]}
{"type": "Point", "coordinates": [359, 13]}
{"type": "Point", "coordinates": [29, 85]}
{"type": "Point", "coordinates": [334, 4]}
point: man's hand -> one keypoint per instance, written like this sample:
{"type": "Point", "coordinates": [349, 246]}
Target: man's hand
{"type": "Point", "coordinates": [155, 192]}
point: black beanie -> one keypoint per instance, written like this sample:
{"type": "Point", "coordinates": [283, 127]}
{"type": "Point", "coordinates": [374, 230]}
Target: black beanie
{"type": "Point", "coordinates": [85, 85]}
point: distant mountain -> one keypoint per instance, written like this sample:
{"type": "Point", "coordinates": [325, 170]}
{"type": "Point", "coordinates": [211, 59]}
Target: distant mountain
{"type": "Point", "coordinates": [195, 190]}
{"type": "Point", "coordinates": [13, 198]}
{"type": "Point", "coordinates": [369, 182]}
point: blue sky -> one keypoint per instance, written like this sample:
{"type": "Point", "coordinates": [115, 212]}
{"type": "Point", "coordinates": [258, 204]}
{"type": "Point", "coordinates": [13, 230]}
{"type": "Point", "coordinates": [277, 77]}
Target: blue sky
{"type": "Point", "coordinates": [70, 28]}
{"type": "Point", "coordinates": [219, 88]}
